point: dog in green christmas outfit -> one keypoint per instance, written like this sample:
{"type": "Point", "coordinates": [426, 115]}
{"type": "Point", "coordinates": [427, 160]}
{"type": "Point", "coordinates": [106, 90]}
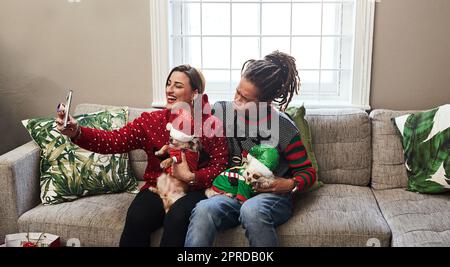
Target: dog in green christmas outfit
{"type": "Point", "coordinates": [256, 172]}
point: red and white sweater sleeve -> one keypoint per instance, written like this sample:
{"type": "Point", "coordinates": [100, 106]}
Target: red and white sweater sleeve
{"type": "Point", "coordinates": [131, 136]}
{"type": "Point", "coordinates": [301, 167]}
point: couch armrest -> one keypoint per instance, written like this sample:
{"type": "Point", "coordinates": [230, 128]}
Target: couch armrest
{"type": "Point", "coordinates": [19, 185]}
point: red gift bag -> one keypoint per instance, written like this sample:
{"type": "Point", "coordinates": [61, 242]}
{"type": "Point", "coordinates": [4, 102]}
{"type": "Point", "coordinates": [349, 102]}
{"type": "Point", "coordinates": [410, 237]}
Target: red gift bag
{"type": "Point", "coordinates": [32, 240]}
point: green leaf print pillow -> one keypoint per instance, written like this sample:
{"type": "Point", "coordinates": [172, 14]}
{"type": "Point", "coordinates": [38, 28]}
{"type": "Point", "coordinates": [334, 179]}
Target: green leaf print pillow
{"type": "Point", "coordinates": [69, 172]}
{"type": "Point", "coordinates": [297, 114]}
{"type": "Point", "coordinates": [426, 147]}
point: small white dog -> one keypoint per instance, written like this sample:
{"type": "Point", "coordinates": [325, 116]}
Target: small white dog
{"type": "Point", "coordinates": [257, 180]}
{"type": "Point", "coordinates": [242, 182]}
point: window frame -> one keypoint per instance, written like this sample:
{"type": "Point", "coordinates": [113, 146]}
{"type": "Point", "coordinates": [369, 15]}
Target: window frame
{"type": "Point", "coordinates": [362, 61]}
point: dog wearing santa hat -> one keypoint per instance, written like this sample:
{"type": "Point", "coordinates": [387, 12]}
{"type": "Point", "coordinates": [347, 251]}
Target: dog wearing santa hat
{"type": "Point", "coordinates": [169, 188]}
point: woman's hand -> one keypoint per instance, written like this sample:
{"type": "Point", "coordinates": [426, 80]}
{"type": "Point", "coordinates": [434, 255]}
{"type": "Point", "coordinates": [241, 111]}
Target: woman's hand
{"type": "Point", "coordinates": [72, 125]}
{"type": "Point", "coordinates": [279, 186]}
{"type": "Point", "coordinates": [181, 170]}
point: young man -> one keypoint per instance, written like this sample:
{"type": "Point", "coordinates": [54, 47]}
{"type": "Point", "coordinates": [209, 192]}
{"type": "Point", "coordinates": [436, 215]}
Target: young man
{"type": "Point", "coordinates": [272, 79]}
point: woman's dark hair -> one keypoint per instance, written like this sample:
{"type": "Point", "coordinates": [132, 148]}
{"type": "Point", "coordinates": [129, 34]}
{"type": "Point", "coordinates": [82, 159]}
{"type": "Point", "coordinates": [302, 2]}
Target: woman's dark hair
{"type": "Point", "coordinates": [275, 76]}
{"type": "Point", "coordinates": [196, 79]}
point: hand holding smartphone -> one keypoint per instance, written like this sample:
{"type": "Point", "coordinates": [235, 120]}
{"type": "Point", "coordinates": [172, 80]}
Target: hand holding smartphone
{"type": "Point", "coordinates": [67, 108]}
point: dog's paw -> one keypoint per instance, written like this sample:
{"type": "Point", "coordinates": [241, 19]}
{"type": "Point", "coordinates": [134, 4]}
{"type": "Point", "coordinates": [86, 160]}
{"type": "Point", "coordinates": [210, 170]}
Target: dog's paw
{"type": "Point", "coordinates": [153, 189]}
{"type": "Point", "coordinates": [165, 163]}
{"type": "Point", "coordinates": [209, 193]}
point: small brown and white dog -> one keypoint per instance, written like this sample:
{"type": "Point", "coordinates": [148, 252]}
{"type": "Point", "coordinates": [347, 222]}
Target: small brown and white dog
{"type": "Point", "coordinates": [252, 178]}
{"type": "Point", "coordinates": [169, 188]}
{"type": "Point", "coordinates": [243, 182]}
{"type": "Point", "coordinates": [257, 180]}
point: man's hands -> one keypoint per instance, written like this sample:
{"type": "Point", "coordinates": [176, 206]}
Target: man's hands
{"type": "Point", "coordinates": [279, 186]}
{"type": "Point", "coordinates": [181, 170]}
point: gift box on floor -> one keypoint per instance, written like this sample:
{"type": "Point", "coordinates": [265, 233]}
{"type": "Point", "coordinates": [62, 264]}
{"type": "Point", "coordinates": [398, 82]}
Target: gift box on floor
{"type": "Point", "coordinates": [32, 240]}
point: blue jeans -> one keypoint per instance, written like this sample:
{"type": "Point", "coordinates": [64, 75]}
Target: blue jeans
{"type": "Point", "coordinates": [259, 216]}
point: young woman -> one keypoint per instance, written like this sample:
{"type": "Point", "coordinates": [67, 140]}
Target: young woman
{"type": "Point", "coordinates": [148, 132]}
{"type": "Point", "coordinates": [273, 79]}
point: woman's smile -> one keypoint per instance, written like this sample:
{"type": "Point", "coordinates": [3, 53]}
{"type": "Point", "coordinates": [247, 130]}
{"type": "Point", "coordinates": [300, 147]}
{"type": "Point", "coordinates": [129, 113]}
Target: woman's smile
{"type": "Point", "coordinates": [171, 99]}
{"type": "Point", "coordinates": [178, 89]}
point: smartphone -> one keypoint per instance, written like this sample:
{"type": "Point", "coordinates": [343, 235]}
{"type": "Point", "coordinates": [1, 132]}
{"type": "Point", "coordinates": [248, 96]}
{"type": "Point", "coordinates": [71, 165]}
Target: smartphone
{"type": "Point", "coordinates": [67, 109]}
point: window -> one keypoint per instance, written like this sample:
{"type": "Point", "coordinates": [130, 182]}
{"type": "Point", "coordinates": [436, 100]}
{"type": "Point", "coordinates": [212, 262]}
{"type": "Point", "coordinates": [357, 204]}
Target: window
{"type": "Point", "coordinates": [331, 41]}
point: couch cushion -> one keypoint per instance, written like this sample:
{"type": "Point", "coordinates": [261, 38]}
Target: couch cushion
{"type": "Point", "coordinates": [334, 215]}
{"type": "Point", "coordinates": [388, 164]}
{"type": "Point", "coordinates": [416, 219]}
{"type": "Point", "coordinates": [341, 141]}
{"type": "Point", "coordinates": [95, 221]}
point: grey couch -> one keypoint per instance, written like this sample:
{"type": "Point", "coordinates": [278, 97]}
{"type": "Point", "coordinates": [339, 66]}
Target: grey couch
{"type": "Point", "coordinates": [363, 201]}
